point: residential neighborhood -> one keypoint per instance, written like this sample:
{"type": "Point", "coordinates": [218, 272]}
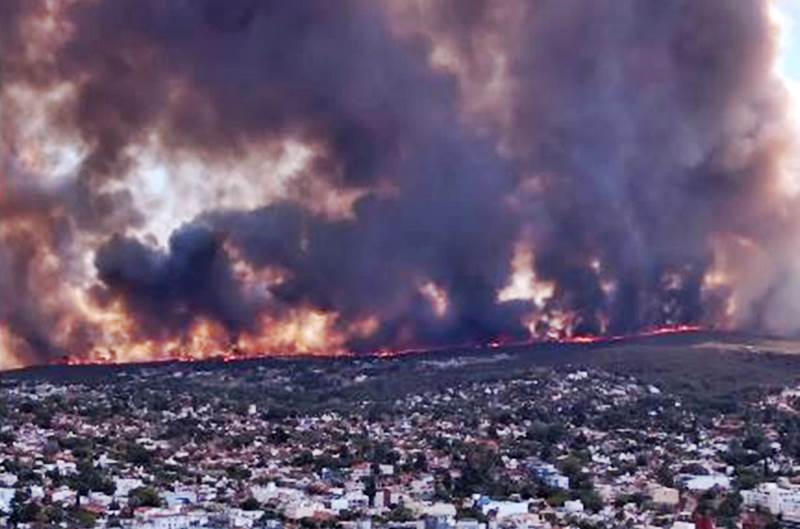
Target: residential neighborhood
{"type": "Point", "coordinates": [183, 446]}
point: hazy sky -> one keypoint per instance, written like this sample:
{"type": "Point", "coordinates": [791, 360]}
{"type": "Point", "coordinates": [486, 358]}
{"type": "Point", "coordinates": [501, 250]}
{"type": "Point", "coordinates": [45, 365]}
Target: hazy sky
{"type": "Point", "coordinates": [790, 58]}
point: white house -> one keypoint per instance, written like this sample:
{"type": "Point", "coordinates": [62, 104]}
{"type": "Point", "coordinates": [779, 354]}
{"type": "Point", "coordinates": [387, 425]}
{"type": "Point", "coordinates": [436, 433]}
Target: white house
{"type": "Point", "coordinates": [162, 519]}
{"type": "Point", "coordinates": [125, 485]}
{"type": "Point", "coordinates": [6, 495]}
{"type": "Point", "coordinates": [297, 510]}
{"type": "Point", "coordinates": [573, 506]}
{"type": "Point", "coordinates": [242, 518]}
{"type": "Point", "coordinates": [356, 500]}
{"type": "Point", "coordinates": [440, 510]}
{"type": "Point", "coordinates": [339, 504]}
{"type": "Point", "coordinates": [504, 509]}
{"type": "Point", "coordinates": [704, 483]}
{"type": "Point", "coordinates": [784, 500]}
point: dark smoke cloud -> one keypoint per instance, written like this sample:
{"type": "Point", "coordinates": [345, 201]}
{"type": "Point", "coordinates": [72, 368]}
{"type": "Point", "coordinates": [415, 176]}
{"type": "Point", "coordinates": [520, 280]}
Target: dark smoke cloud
{"type": "Point", "coordinates": [649, 124]}
{"type": "Point", "coordinates": [32, 227]}
{"type": "Point", "coordinates": [335, 76]}
{"type": "Point", "coordinates": [623, 138]}
{"type": "Point", "coordinates": [218, 75]}
{"type": "Point", "coordinates": [22, 316]}
{"type": "Point", "coordinates": [167, 291]}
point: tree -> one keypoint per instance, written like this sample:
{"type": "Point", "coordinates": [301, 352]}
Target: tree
{"type": "Point", "coordinates": [136, 454]}
{"type": "Point", "coordinates": [730, 506]}
{"type": "Point", "coordinates": [278, 436]}
{"type": "Point", "coordinates": [664, 476]}
{"type": "Point", "coordinates": [82, 518]}
{"type": "Point", "coordinates": [747, 478]}
{"type": "Point", "coordinates": [238, 473]}
{"type": "Point", "coordinates": [558, 498]}
{"type": "Point", "coordinates": [23, 510]}
{"type": "Point", "coordinates": [420, 462]}
{"type": "Point", "coordinates": [591, 500]}
{"type": "Point", "coordinates": [250, 504]}
{"type": "Point", "coordinates": [144, 497]}
{"type": "Point", "coordinates": [401, 514]}
{"type": "Point", "coordinates": [91, 479]}
{"type": "Point", "coordinates": [370, 488]}
{"type": "Point", "coordinates": [303, 459]}
{"type": "Point", "coordinates": [471, 513]}
{"type": "Point", "coordinates": [26, 512]}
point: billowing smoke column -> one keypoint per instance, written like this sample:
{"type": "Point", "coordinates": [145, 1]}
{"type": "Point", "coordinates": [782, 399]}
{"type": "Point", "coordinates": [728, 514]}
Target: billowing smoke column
{"type": "Point", "coordinates": [190, 178]}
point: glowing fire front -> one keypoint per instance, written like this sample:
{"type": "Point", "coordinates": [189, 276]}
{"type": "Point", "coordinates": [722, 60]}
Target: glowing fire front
{"type": "Point", "coordinates": [94, 333]}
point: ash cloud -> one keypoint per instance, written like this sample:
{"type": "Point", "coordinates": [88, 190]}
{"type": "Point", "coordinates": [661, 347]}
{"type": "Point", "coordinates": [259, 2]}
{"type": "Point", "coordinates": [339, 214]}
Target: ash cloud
{"type": "Point", "coordinates": [651, 128]}
{"type": "Point", "coordinates": [166, 291]}
{"type": "Point", "coordinates": [621, 140]}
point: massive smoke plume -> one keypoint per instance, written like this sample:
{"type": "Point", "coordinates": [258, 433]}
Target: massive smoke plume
{"type": "Point", "coordinates": [203, 177]}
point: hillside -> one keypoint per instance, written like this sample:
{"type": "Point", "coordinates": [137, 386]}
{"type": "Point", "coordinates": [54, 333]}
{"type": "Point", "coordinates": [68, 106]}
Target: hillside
{"type": "Point", "coordinates": [712, 368]}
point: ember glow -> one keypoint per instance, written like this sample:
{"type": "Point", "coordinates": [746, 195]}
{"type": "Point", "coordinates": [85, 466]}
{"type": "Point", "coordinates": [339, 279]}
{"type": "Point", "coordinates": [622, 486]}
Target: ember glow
{"type": "Point", "coordinates": [235, 178]}
{"type": "Point", "coordinates": [657, 331]}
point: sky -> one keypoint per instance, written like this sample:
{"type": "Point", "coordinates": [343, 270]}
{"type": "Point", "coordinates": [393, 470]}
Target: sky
{"type": "Point", "coordinates": [789, 61]}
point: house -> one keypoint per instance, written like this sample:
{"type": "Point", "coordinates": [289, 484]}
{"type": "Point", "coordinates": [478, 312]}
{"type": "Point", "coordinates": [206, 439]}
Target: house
{"type": "Point", "coordinates": [180, 497]}
{"type": "Point", "coordinates": [470, 524]}
{"type": "Point", "coordinates": [438, 522]}
{"type": "Point", "coordinates": [338, 505]}
{"type": "Point", "coordinates": [440, 510]}
{"type": "Point", "coordinates": [6, 495]}
{"type": "Point", "coordinates": [161, 519]}
{"type": "Point", "coordinates": [704, 483]}
{"type": "Point", "coordinates": [123, 486]}
{"type": "Point", "coordinates": [100, 499]}
{"type": "Point", "coordinates": [573, 506]}
{"type": "Point", "coordinates": [551, 477]}
{"type": "Point", "coordinates": [502, 509]}
{"type": "Point", "coordinates": [357, 500]}
{"type": "Point", "coordinates": [242, 518]}
{"type": "Point", "coordinates": [304, 508]}
{"type": "Point", "coordinates": [63, 495]}
{"type": "Point", "coordinates": [776, 498]}
{"type": "Point", "coordinates": [664, 496]}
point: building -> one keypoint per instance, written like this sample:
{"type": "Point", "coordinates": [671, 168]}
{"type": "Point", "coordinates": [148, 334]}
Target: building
{"type": "Point", "coordinates": [704, 483]}
{"type": "Point", "coordinates": [778, 500]}
{"type": "Point", "coordinates": [573, 506]}
{"type": "Point", "coordinates": [550, 476]}
{"type": "Point", "coordinates": [502, 509]}
{"type": "Point", "coordinates": [162, 519]}
{"type": "Point", "coordinates": [6, 495]}
{"type": "Point", "coordinates": [469, 524]}
{"type": "Point", "coordinates": [123, 487]}
{"type": "Point", "coordinates": [664, 496]}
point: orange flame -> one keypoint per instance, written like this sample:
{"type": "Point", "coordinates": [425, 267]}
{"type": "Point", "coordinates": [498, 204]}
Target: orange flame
{"type": "Point", "coordinates": [235, 354]}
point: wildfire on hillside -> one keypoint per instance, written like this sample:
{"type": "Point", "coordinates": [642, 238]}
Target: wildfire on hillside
{"type": "Point", "coordinates": [233, 354]}
{"type": "Point", "coordinates": [230, 179]}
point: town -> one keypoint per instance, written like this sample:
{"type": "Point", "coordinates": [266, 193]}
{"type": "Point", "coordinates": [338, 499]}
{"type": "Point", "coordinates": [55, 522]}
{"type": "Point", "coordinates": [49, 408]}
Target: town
{"type": "Point", "coordinates": [257, 446]}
